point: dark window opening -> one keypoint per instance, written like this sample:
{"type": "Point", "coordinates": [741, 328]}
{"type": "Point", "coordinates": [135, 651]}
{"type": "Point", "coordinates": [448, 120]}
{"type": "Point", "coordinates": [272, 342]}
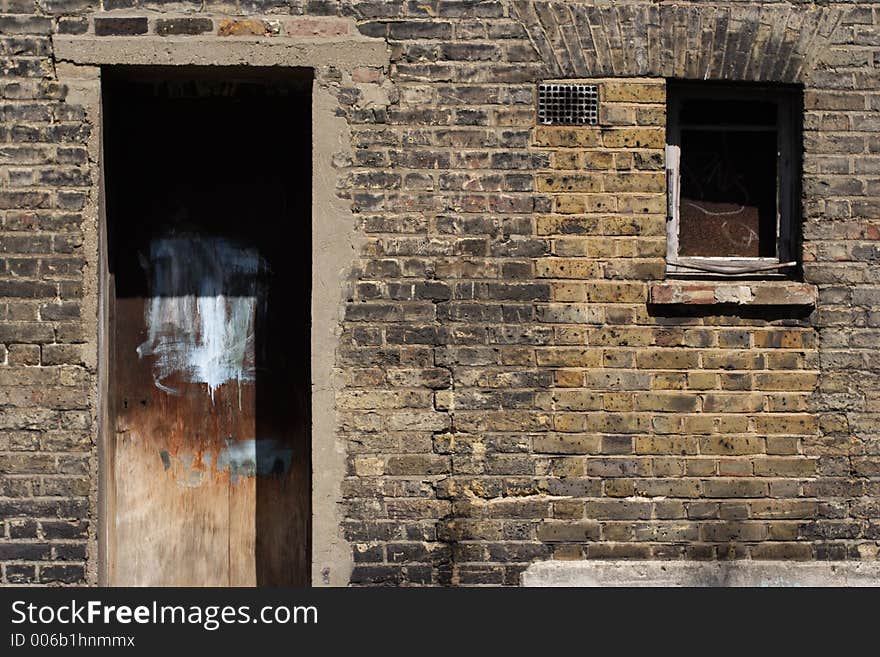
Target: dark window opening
{"type": "Point", "coordinates": [733, 164]}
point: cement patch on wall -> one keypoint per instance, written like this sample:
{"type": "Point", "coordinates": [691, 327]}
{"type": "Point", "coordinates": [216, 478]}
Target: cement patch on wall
{"type": "Point", "coordinates": [702, 573]}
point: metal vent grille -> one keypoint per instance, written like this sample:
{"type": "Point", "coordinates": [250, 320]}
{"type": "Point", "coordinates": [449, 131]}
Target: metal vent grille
{"type": "Point", "coordinates": [568, 104]}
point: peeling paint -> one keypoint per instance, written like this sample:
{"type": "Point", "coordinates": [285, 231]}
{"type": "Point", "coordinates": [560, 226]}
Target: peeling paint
{"type": "Point", "coordinates": [247, 458]}
{"type": "Point", "coordinates": [200, 317]}
{"type": "Point", "coordinates": [240, 459]}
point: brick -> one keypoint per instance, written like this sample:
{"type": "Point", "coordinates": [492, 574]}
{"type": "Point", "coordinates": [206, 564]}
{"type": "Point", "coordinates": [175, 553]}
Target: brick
{"type": "Point", "coordinates": [243, 27]}
{"type": "Point", "coordinates": [120, 26]}
{"type": "Point", "coordinates": [566, 444]}
{"type": "Point", "coordinates": [566, 137]}
{"type": "Point", "coordinates": [734, 488]}
{"type": "Point", "coordinates": [563, 531]}
{"type": "Point", "coordinates": [316, 27]}
{"type": "Point", "coordinates": [634, 138]}
{"type": "Point", "coordinates": [569, 183]}
{"type": "Point", "coordinates": [630, 92]}
{"type": "Point", "coordinates": [183, 26]}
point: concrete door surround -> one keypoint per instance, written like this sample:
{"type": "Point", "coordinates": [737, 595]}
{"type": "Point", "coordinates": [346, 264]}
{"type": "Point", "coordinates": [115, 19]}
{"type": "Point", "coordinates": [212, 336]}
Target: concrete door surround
{"type": "Point", "coordinates": [335, 243]}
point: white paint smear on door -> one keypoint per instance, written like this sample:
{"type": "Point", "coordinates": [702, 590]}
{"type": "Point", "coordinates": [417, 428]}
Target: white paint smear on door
{"type": "Point", "coordinates": [200, 316]}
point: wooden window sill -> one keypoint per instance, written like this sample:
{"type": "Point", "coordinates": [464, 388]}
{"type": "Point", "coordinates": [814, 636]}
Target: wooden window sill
{"type": "Point", "coordinates": [739, 293]}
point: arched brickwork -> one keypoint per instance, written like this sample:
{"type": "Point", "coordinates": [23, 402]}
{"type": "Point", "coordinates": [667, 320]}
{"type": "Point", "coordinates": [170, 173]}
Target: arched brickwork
{"type": "Point", "coordinates": [748, 41]}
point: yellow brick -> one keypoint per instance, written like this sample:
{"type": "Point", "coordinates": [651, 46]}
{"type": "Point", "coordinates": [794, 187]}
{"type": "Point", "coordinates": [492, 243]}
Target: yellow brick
{"type": "Point", "coordinates": [642, 204]}
{"type": "Point", "coordinates": [730, 445]}
{"type": "Point", "coordinates": [669, 381]}
{"type": "Point", "coordinates": [634, 225]}
{"type": "Point", "coordinates": [570, 422]}
{"type": "Point", "coordinates": [601, 202]}
{"type": "Point", "coordinates": [366, 466]}
{"type": "Point", "coordinates": [669, 402]}
{"type": "Point", "coordinates": [671, 359]}
{"type": "Point", "coordinates": [608, 292]}
{"type": "Point", "coordinates": [569, 182]}
{"type": "Point", "coordinates": [665, 445]}
{"type": "Point", "coordinates": [623, 160]}
{"type": "Point", "coordinates": [617, 401]}
{"type": "Point", "coordinates": [733, 403]}
{"type": "Point", "coordinates": [566, 225]}
{"type": "Point", "coordinates": [787, 381]}
{"type": "Point", "coordinates": [568, 204]}
{"type": "Point", "coordinates": [784, 360]}
{"type": "Point", "coordinates": [786, 424]}
{"type": "Point", "coordinates": [735, 468]}
{"type": "Point", "coordinates": [599, 160]}
{"type": "Point", "coordinates": [568, 510]}
{"type": "Point", "coordinates": [785, 467]}
{"type": "Point", "coordinates": [629, 91]}
{"type": "Point", "coordinates": [575, 247]}
{"type": "Point", "coordinates": [565, 268]}
{"type": "Point", "coordinates": [592, 248]}
{"type": "Point", "coordinates": [648, 248]}
{"type": "Point", "coordinates": [618, 488]}
{"type": "Point", "coordinates": [666, 424]}
{"type": "Point", "coordinates": [517, 356]}
{"type": "Point", "coordinates": [568, 378]}
{"type": "Point", "coordinates": [570, 334]}
{"type": "Point", "coordinates": [567, 467]}
{"type": "Point", "coordinates": [568, 291]}
{"type": "Point", "coordinates": [618, 358]}
{"type": "Point", "coordinates": [732, 424]}
{"type": "Point", "coordinates": [618, 422]}
{"type": "Point", "coordinates": [569, 357]}
{"type": "Point", "coordinates": [577, 400]}
{"type": "Point", "coordinates": [702, 380]}
{"type": "Point", "coordinates": [732, 360]}
{"type": "Point", "coordinates": [621, 336]}
{"type": "Point", "coordinates": [554, 443]}
{"type": "Point", "coordinates": [698, 424]}
{"type": "Point", "coordinates": [651, 115]}
{"type": "Point", "coordinates": [634, 137]}
{"type": "Point", "coordinates": [668, 467]}
{"type": "Point", "coordinates": [614, 114]}
{"type": "Point", "coordinates": [635, 182]}
{"type": "Point", "coordinates": [567, 160]}
{"type": "Point", "coordinates": [568, 552]}
{"type": "Point", "coordinates": [785, 339]}
{"type": "Point", "coordinates": [566, 137]}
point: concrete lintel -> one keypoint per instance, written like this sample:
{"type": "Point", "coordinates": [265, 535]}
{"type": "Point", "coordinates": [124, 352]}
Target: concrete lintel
{"type": "Point", "coordinates": [344, 53]}
{"type": "Point", "coordinates": [702, 573]}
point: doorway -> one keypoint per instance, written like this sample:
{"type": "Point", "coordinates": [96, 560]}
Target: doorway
{"type": "Point", "coordinates": [208, 215]}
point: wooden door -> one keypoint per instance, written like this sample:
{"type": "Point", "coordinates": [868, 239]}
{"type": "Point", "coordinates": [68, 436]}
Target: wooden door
{"type": "Point", "coordinates": [211, 430]}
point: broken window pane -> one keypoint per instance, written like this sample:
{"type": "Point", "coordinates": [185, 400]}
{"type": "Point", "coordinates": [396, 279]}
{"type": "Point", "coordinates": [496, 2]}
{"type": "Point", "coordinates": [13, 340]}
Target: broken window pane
{"type": "Point", "coordinates": [733, 167]}
{"type": "Point", "coordinates": [728, 192]}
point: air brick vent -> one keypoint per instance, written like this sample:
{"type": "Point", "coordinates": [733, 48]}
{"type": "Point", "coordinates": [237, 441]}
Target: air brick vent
{"type": "Point", "coordinates": [568, 104]}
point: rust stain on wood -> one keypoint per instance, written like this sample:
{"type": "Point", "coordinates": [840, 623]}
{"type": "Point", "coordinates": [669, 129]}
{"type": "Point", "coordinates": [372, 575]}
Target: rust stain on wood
{"type": "Point", "coordinates": [192, 470]}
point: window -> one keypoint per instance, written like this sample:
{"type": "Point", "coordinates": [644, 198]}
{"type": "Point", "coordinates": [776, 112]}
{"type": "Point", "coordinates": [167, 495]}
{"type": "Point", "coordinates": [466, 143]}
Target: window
{"type": "Point", "coordinates": [733, 172]}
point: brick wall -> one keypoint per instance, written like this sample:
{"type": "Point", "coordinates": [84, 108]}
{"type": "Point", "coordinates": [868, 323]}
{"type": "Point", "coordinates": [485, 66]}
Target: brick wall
{"type": "Point", "coordinates": [510, 394]}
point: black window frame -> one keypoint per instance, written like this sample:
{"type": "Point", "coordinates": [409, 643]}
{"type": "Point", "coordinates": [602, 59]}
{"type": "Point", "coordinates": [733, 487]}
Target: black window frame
{"type": "Point", "coordinates": [789, 130]}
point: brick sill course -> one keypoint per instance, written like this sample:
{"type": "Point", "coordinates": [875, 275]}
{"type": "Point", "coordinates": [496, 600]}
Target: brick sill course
{"type": "Point", "coordinates": [745, 293]}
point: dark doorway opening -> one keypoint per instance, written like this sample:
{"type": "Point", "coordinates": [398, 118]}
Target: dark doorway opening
{"type": "Point", "coordinates": [208, 205]}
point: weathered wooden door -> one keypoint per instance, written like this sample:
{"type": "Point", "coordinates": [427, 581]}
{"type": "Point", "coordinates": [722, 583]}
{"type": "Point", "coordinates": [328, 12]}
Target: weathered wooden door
{"type": "Point", "coordinates": [210, 388]}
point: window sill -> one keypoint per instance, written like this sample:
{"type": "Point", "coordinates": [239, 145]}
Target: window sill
{"type": "Point", "coordinates": [740, 293]}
